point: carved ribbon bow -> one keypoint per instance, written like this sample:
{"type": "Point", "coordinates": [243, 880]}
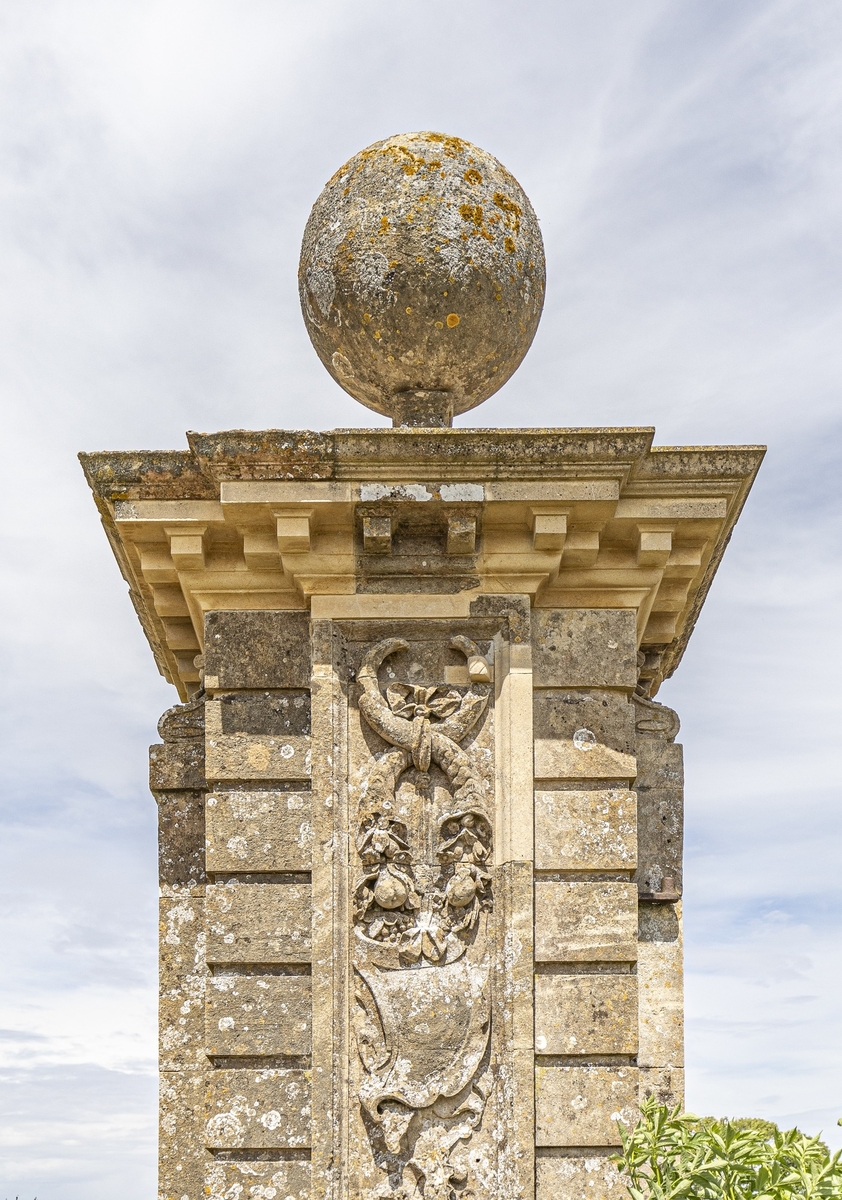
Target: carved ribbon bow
{"type": "Point", "coordinates": [424, 703]}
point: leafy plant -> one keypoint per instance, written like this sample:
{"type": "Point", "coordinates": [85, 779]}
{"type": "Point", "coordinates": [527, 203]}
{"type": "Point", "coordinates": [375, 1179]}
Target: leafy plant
{"type": "Point", "coordinates": [672, 1155]}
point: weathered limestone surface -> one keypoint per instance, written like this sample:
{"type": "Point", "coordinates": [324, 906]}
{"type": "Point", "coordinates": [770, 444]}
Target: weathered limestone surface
{"type": "Point", "coordinates": [585, 922]}
{"type": "Point", "coordinates": [588, 648]}
{"type": "Point", "coordinates": [583, 734]}
{"type": "Point", "coordinates": [420, 816]}
{"type": "Point", "coordinates": [580, 1106]}
{"type": "Point", "coordinates": [258, 922]}
{"type": "Point", "coordinates": [578, 1177]}
{"type": "Point", "coordinates": [256, 1180]}
{"type": "Point", "coordinates": [660, 789]}
{"type": "Point", "coordinates": [256, 1015]}
{"type": "Point", "coordinates": [594, 830]}
{"type": "Point", "coordinates": [267, 830]}
{"type": "Point", "coordinates": [252, 1109]}
{"type": "Point", "coordinates": [257, 650]}
{"type": "Point", "coordinates": [586, 1014]}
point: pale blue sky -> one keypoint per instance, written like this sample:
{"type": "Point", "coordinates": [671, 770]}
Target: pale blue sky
{"type": "Point", "coordinates": [158, 159]}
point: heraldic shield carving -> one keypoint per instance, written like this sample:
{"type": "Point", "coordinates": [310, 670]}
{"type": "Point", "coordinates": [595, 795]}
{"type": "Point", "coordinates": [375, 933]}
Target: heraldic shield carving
{"type": "Point", "coordinates": [423, 907]}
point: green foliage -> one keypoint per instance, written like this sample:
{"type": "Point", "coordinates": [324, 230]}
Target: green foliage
{"type": "Point", "coordinates": [671, 1155]}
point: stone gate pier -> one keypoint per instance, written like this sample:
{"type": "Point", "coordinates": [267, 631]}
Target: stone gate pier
{"type": "Point", "coordinates": [420, 812]}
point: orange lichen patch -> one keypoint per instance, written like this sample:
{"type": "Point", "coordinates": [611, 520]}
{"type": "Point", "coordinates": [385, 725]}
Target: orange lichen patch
{"type": "Point", "coordinates": [439, 325]}
{"type": "Point", "coordinates": [366, 318]}
{"type": "Point", "coordinates": [384, 224]}
{"type": "Point", "coordinates": [513, 211]}
{"type": "Point", "coordinates": [471, 212]}
{"type": "Point", "coordinates": [408, 309]}
{"type": "Point", "coordinates": [452, 320]}
{"type": "Point", "coordinates": [509, 243]}
{"type": "Point", "coordinates": [377, 335]}
{"type": "Point", "coordinates": [472, 175]}
{"type": "Point", "coordinates": [454, 146]}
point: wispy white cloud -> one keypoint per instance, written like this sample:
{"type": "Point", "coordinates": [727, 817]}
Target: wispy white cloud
{"type": "Point", "coordinates": [157, 164]}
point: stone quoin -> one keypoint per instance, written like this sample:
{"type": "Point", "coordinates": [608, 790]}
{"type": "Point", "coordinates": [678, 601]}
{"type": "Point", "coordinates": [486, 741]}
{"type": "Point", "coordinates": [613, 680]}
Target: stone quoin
{"type": "Point", "coordinates": [420, 812]}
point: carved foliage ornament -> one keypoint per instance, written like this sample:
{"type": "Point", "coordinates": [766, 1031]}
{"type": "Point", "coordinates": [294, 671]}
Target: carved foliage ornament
{"type": "Point", "coordinates": [423, 1014]}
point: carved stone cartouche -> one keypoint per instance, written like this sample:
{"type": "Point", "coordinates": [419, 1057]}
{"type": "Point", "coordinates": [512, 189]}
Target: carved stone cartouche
{"type": "Point", "coordinates": [423, 1011]}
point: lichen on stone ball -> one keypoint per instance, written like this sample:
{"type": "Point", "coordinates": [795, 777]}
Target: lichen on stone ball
{"type": "Point", "coordinates": [422, 274]}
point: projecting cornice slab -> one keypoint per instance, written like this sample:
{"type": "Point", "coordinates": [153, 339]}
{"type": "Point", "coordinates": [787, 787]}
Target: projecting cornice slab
{"type": "Point", "coordinates": [573, 518]}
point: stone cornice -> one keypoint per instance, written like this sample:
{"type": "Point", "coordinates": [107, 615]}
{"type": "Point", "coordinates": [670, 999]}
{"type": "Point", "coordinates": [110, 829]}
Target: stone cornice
{"type": "Point", "coordinates": [584, 518]}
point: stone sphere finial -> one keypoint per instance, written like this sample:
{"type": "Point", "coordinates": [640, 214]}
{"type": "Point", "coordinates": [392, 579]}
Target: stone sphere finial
{"type": "Point", "coordinates": [422, 277]}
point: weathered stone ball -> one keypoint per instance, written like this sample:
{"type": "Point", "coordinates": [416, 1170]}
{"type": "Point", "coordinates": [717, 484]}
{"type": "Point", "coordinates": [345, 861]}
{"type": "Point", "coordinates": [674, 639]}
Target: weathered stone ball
{"type": "Point", "coordinates": [422, 276]}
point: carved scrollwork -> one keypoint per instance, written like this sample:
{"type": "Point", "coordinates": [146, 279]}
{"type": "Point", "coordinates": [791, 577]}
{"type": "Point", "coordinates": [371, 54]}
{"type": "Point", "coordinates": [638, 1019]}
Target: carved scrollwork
{"type": "Point", "coordinates": [655, 720]}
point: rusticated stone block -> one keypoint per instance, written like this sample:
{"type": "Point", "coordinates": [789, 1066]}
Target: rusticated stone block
{"type": "Point", "coordinates": [276, 714]}
{"type": "Point", "coordinates": [584, 647]}
{"type": "Point", "coordinates": [181, 1152]}
{"type": "Point", "coordinates": [257, 1109]}
{"type": "Point", "coordinates": [586, 1014]}
{"type": "Point", "coordinates": [243, 757]}
{"type": "Point", "coordinates": [588, 830]}
{"type": "Point", "coordinates": [666, 1084]}
{"type": "Point", "coordinates": [258, 1181]}
{"type": "Point", "coordinates": [580, 1106]}
{"type": "Point", "coordinates": [259, 831]}
{"type": "Point", "coordinates": [660, 812]}
{"type": "Point", "coordinates": [177, 766]}
{"type": "Point", "coordinates": [183, 978]}
{"type": "Point", "coordinates": [658, 922]}
{"type": "Point", "coordinates": [584, 734]}
{"type": "Point", "coordinates": [258, 923]}
{"type": "Point", "coordinates": [252, 755]}
{"type": "Point", "coordinates": [258, 1014]}
{"type": "Point", "coordinates": [585, 922]}
{"type": "Point", "coordinates": [181, 839]}
{"type": "Point", "coordinates": [257, 650]}
{"type": "Point", "coordinates": [660, 977]}
{"type": "Point", "coordinates": [578, 1177]}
